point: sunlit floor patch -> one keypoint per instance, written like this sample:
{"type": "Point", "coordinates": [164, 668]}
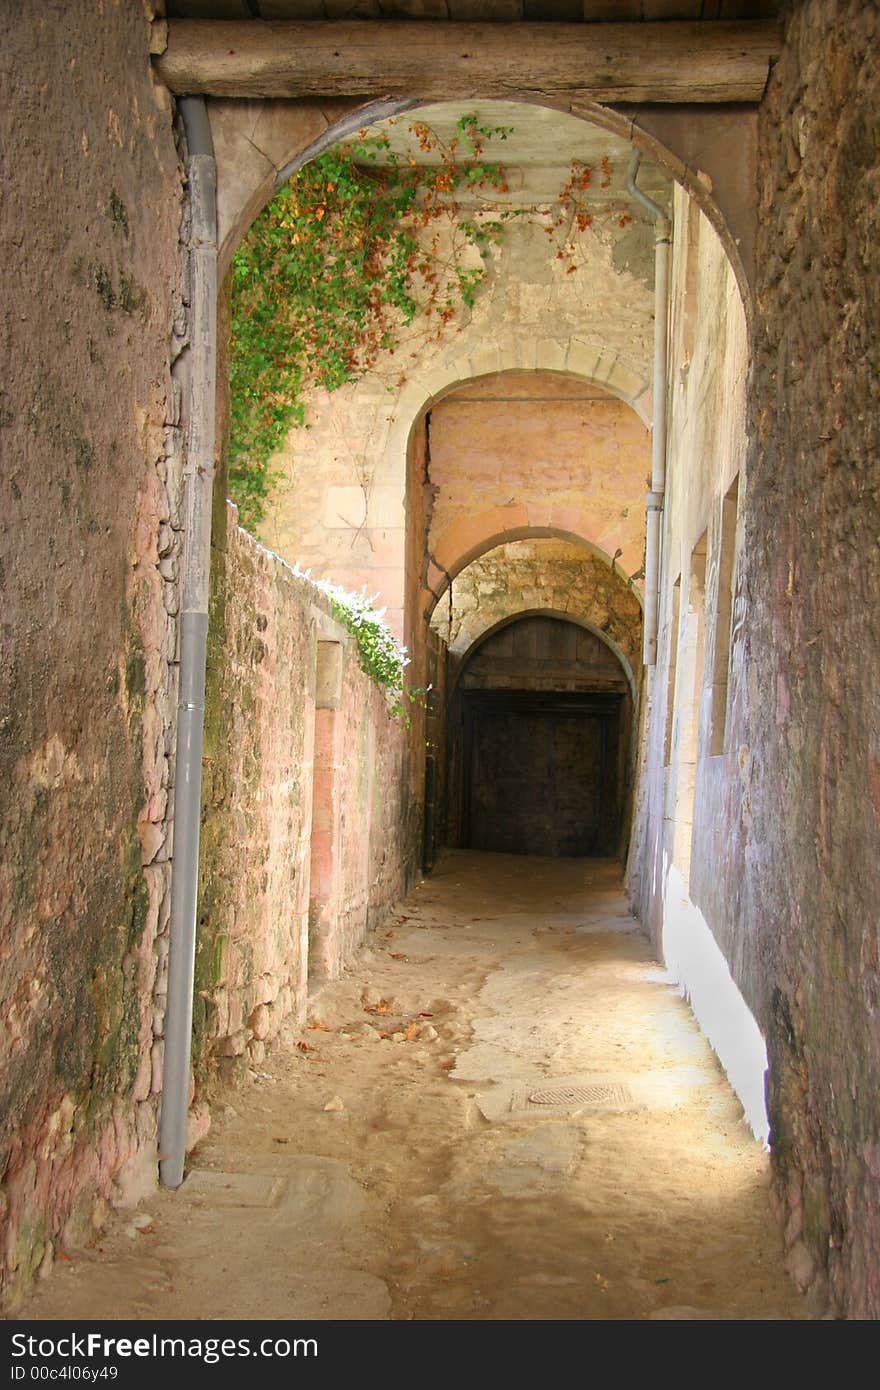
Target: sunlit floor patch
{"type": "Point", "coordinates": [407, 1185]}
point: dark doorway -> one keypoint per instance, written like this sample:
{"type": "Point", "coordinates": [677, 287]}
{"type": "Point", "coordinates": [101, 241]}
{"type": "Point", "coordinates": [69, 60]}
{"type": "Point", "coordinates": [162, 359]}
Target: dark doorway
{"type": "Point", "coordinates": [538, 742]}
{"type": "Point", "coordinates": [541, 772]}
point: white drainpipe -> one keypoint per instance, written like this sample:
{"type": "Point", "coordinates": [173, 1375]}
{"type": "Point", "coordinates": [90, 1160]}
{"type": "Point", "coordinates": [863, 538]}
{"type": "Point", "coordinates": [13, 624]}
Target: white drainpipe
{"type": "Point", "coordinates": [654, 499]}
{"type": "Point", "coordinates": [198, 487]}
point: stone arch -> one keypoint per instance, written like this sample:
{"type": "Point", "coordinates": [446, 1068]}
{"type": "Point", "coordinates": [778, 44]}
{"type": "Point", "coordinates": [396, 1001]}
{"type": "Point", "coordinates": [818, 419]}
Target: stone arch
{"type": "Point", "coordinates": [562, 616]}
{"type": "Point", "coordinates": [259, 145]}
{"type": "Point", "coordinates": [467, 541]}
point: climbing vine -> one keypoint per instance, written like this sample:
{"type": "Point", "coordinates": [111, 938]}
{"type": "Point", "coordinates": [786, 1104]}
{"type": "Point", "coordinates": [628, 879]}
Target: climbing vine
{"type": "Point", "coordinates": [380, 655]}
{"type": "Point", "coordinates": [349, 253]}
{"type": "Point", "coordinates": [365, 251]}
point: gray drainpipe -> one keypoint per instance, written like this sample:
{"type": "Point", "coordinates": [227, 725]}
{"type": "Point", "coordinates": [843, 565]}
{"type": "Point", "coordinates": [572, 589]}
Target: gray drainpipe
{"type": "Point", "coordinates": [198, 485]}
{"type": "Point", "coordinates": [654, 499]}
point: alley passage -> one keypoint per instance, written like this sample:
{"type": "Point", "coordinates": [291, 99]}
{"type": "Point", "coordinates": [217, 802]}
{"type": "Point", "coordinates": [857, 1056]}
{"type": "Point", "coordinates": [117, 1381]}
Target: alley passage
{"type": "Point", "coordinates": [502, 1111]}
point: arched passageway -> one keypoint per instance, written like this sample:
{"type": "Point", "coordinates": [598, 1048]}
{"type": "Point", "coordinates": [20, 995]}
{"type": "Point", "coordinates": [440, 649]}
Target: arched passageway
{"type": "Point", "coordinates": [755, 852]}
{"type": "Point", "coordinates": [528, 428]}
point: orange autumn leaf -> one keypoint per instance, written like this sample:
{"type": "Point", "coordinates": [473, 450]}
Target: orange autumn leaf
{"type": "Point", "coordinates": [410, 1032]}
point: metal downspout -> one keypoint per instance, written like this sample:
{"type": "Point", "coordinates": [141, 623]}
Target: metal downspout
{"type": "Point", "coordinates": [654, 499]}
{"type": "Point", "coordinates": [198, 484]}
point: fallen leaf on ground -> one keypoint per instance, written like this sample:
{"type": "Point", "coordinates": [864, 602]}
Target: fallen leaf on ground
{"type": "Point", "coordinates": [410, 1032]}
{"type": "Point", "coordinates": [320, 1025]}
{"type": "Point", "coordinates": [398, 955]}
{"type": "Point", "coordinates": [305, 1047]}
{"type": "Point", "coordinates": [389, 933]}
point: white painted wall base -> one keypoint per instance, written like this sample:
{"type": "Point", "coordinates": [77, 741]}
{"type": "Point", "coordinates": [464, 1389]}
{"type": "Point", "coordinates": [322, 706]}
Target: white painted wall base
{"type": "Point", "coordinates": [695, 963]}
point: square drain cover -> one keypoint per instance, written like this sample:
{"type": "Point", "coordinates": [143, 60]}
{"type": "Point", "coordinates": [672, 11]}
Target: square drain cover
{"type": "Point", "coordinates": [596, 1094]}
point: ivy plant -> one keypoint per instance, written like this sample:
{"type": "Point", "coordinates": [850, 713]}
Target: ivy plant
{"type": "Point", "coordinates": [380, 655]}
{"type": "Point", "coordinates": [345, 256]}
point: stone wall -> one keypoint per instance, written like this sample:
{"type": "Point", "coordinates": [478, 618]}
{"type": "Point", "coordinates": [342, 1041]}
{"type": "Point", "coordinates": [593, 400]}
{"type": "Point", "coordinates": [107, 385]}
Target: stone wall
{"type": "Point", "coordinates": [687, 861]}
{"type": "Point", "coordinates": [92, 316]}
{"type": "Point", "coordinates": [813, 860]}
{"type": "Point", "coordinates": [304, 823]}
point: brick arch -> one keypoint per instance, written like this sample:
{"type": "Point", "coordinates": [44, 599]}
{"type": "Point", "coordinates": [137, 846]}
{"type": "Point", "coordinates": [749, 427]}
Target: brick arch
{"type": "Point", "coordinates": [467, 540]}
{"type": "Point", "coordinates": [576, 619]}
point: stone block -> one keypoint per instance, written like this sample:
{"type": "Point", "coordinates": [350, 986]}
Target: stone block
{"type": "Point", "coordinates": [551, 354]}
{"type": "Point", "coordinates": [329, 672]}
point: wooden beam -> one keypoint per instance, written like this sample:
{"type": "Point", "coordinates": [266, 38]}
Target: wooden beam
{"type": "Point", "coordinates": [668, 62]}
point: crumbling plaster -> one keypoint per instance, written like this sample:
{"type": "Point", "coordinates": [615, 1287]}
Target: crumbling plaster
{"type": "Point", "coordinates": [95, 316]}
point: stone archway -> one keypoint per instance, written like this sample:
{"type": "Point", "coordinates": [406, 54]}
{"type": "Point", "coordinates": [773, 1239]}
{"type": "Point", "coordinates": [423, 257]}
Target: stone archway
{"type": "Point", "coordinates": [710, 151]}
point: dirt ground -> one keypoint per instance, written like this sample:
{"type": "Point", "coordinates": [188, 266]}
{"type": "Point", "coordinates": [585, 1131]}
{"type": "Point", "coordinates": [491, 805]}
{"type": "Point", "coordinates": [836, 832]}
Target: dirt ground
{"type": "Point", "coordinates": [502, 1111]}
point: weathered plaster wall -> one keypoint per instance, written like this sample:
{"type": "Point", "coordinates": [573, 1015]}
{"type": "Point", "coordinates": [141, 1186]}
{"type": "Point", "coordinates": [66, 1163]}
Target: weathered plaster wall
{"type": "Point", "coordinates": [687, 863]}
{"type": "Point", "coordinates": [813, 859]}
{"type": "Point", "coordinates": [539, 575]}
{"type": "Point", "coordinates": [707, 451]}
{"type": "Point", "coordinates": [90, 493]}
{"type": "Point", "coordinates": [528, 450]}
{"type": "Point", "coordinates": [304, 833]}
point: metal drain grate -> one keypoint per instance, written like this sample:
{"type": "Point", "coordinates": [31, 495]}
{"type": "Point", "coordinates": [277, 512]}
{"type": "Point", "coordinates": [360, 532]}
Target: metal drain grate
{"type": "Point", "coordinates": [612, 1093]}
